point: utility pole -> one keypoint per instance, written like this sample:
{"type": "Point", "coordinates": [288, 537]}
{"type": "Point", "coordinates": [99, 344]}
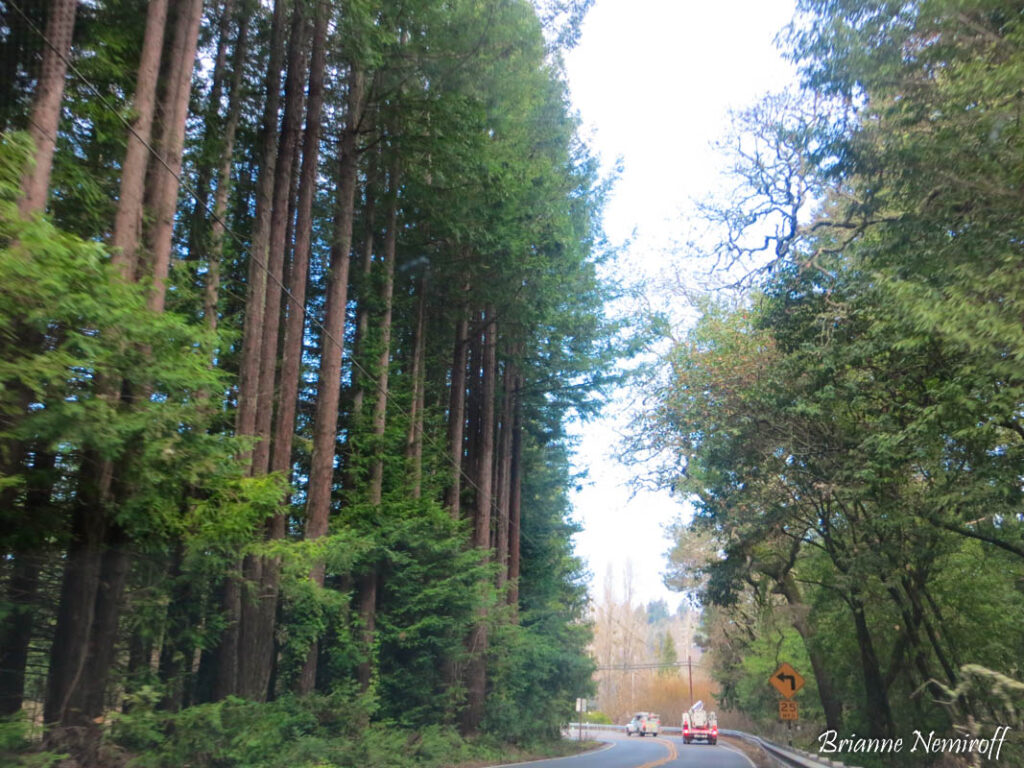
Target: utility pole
{"type": "Point", "coordinates": [689, 666]}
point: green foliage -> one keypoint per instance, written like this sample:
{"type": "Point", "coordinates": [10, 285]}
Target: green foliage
{"type": "Point", "coordinates": [537, 675]}
{"type": "Point", "coordinates": [69, 326]}
{"type": "Point", "coordinates": [539, 665]}
{"type": "Point", "coordinates": [311, 731]}
{"type": "Point", "coordinates": [667, 655]}
{"type": "Point", "coordinates": [18, 745]}
{"type": "Point", "coordinates": [850, 431]}
{"type": "Point", "coordinates": [427, 604]}
{"type": "Point", "coordinates": [234, 732]}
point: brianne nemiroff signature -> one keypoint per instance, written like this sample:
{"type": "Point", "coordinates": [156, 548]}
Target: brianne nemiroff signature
{"type": "Point", "coordinates": [830, 743]}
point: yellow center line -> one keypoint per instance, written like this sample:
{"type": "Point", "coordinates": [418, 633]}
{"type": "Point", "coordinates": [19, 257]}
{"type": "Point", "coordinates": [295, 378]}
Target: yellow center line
{"type": "Point", "coordinates": [672, 755]}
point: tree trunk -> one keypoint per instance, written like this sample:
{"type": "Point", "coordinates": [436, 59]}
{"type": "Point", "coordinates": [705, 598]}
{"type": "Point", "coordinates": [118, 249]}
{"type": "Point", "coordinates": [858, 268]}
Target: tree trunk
{"type": "Point", "coordinates": [114, 568]}
{"type": "Point", "coordinates": [515, 495]}
{"type": "Point", "coordinates": [165, 179]}
{"type": "Point", "coordinates": [414, 437]}
{"type": "Point", "coordinates": [380, 403]}
{"type": "Point", "coordinates": [224, 662]}
{"type": "Point", "coordinates": [256, 642]}
{"type": "Point", "coordinates": [16, 631]}
{"type": "Point", "coordinates": [823, 677]}
{"type": "Point", "coordinates": [368, 582]}
{"type": "Point", "coordinates": [128, 219]}
{"type": "Point", "coordinates": [485, 485]}
{"type": "Point", "coordinates": [23, 585]}
{"type": "Point", "coordinates": [256, 295]}
{"type": "Point", "coordinates": [45, 118]}
{"type": "Point", "coordinates": [933, 636]}
{"type": "Point", "coordinates": [325, 425]}
{"type": "Point", "coordinates": [242, 663]}
{"type": "Point", "coordinates": [474, 408]}
{"type": "Point", "coordinates": [453, 671]}
{"type": "Point", "coordinates": [140, 654]}
{"type": "Point", "coordinates": [359, 381]}
{"type": "Point", "coordinates": [64, 703]}
{"type": "Point", "coordinates": [504, 473]}
{"type": "Point", "coordinates": [290, 128]}
{"type": "Point", "coordinates": [457, 417]}
{"type": "Point", "coordinates": [937, 613]}
{"type": "Point", "coordinates": [260, 578]}
{"type": "Point", "coordinates": [329, 387]}
{"type": "Point", "coordinates": [281, 459]}
{"type": "Point", "coordinates": [176, 653]}
{"type": "Point", "coordinates": [880, 722]}
{"type": "Point", "coordinates": [476, 683]}
{"type": "Point", "coordinates": [211, 293]}
{"type": "Point", "coordinates": [368, 620]}
{"type": "Point", "coordinates": [212, 134]}
{"type": "Point", "coordinates": [291, 361]}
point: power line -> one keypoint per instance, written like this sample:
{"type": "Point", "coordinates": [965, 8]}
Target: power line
{"type": "Point", "coordinates": [646, 665]}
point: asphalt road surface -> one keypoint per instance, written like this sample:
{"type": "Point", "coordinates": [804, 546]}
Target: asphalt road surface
{"type": "Point", "coordinates": [667, 751]}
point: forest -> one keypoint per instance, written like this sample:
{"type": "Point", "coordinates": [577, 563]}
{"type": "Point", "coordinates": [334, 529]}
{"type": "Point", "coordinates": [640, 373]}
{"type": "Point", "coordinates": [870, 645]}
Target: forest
{"type": "Point", "coordinates": [297, 298]}
{"type": "Point", "coordinates": [848, 413]}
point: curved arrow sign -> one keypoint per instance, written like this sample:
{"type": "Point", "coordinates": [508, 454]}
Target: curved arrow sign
{"type": "Point", "coordinates": [786, 680]}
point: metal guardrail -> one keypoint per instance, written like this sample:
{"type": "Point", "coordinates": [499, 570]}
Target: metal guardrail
{"type": "Point", "coordinates": [591, 727]}
{"type": "Point", "coordinates": [784, 756]}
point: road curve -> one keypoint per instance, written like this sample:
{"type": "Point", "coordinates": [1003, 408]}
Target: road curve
{"type": "Point", "coordinates": [663, 752]}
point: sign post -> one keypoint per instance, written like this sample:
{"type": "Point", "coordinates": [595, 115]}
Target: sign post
{"type": "Point", "coordinates": [581, 708]}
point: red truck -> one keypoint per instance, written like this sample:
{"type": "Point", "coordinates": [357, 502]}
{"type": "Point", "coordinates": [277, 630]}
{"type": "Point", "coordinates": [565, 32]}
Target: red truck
{"type": "Point", "coordinates": [699, 724]}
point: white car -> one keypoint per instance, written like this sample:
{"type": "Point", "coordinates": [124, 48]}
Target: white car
{"type": "Point", "coordinates": [644, 723]}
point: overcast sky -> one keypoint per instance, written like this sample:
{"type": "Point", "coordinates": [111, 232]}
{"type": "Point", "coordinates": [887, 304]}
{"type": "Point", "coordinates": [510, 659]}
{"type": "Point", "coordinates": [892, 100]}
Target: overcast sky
{"type": "Point", "coordinates": [653, 81]}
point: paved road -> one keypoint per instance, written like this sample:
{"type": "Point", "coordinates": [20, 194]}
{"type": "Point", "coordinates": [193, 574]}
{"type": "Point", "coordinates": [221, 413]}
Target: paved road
{"type": "Point", "coordinates": [662, 752]}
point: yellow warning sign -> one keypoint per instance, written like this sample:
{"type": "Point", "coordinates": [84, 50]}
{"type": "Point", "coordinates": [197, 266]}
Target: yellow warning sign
{"type": "Point", "coordinates": [786, 680]}
{"type": "Point", "coordinates": [788, 710]}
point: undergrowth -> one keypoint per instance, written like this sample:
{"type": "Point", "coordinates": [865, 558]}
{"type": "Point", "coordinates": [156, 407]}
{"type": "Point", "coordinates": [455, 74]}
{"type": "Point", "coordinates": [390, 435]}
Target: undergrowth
{"type": "Point", "coordinates": [309, 732]}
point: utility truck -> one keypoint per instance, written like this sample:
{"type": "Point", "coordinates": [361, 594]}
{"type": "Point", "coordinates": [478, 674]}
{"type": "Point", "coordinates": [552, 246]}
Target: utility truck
{"type": "Point", "coordinates": [698, 723]}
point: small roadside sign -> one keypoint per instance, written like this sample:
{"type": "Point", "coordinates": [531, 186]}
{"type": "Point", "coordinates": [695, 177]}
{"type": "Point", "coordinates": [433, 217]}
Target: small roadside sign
{"type": "Point", "coordinates": [788, 710]}
{"type": "Point", "coordinates": [786, 680]}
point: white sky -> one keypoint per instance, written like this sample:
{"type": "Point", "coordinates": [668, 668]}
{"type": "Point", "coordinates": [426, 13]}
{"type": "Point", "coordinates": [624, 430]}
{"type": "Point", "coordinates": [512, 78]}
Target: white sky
{"type": "Point", "coordinates": [653, 81]}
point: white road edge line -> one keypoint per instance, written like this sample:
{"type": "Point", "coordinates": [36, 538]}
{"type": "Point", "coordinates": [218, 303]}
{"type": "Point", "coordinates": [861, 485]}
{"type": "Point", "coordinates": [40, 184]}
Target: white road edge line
{"type": "Point", "coordinates": [589, 752]}
{"type": "Point", "coordinates": [740, 753]}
